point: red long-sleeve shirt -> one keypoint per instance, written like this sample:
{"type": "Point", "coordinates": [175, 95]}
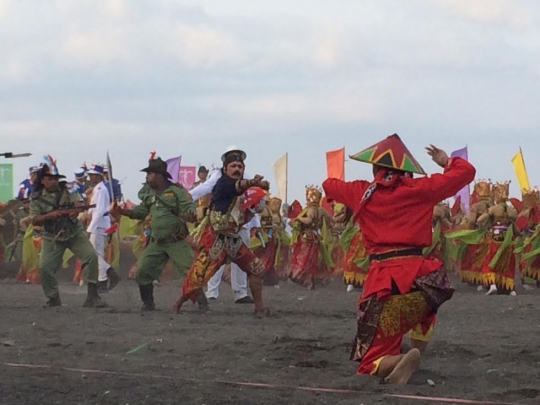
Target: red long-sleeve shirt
{"type": "Point", "coordinates": [399, 216]}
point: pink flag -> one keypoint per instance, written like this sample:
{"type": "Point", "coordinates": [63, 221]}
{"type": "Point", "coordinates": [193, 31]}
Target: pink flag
{"type": "Point", "coordinates": [173, 167]}
{"type": "Point", "coordinates": [464, 193]}
{"type": "Point", "coordinates": [187, 176]}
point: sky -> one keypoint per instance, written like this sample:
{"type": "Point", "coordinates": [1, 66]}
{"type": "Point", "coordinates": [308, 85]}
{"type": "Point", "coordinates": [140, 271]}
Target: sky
{"type": "Point", "coordinates": [191, 78]}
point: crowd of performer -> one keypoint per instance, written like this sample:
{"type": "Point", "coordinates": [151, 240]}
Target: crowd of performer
{"type": "Point", "coordinates": [393, 237]}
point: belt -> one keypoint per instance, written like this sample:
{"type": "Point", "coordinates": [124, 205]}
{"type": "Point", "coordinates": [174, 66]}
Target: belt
{"type": "Point", "coordinates": [170, 239]}
{"type": "Point", "coordinates": [396, 253]}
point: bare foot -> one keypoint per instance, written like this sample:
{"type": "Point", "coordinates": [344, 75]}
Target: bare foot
{"type": "Point", "coordinates": [264, 313]}
{"type": "Point", "coordinates": [405, 368]}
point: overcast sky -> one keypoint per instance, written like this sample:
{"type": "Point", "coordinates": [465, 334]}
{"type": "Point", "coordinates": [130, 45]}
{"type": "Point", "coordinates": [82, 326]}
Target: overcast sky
{"type": "Point", "coordinates": [191, 78]}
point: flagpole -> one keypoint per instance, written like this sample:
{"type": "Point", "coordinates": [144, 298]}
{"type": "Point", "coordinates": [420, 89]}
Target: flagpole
{"type": "Point", "coordinates": [523, 160]}
{"type": "Point", "coordinates": [286, 176]}
{"type": "Point", "coordinates": [468, 185]}
{"type": "Point", "coordinates": [344, 177]}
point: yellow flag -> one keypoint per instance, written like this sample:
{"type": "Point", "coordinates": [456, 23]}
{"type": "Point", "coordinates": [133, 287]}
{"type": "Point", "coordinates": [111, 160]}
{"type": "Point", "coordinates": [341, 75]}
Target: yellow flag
{"type": "Point", "coordinates": [280, 172]}
{"type": "Point", "coordinates": [521, 172]}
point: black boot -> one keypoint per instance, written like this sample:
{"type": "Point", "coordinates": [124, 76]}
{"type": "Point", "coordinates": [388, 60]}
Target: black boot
{"type": "Point", "coordinates": [93, 300]}
{"type": "Point", "coordinates": [114, 278]}
{"type": "Point", "coordinates": [53, 302]}
{"type": "Point", "coordinates": [147, 297]}
{"type": "Point", "coordinates": [202, 301]}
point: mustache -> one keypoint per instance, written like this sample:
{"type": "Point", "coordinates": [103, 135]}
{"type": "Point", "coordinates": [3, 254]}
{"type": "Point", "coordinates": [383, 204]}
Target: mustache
{"type": "Point", "coordinates": [237, 172]}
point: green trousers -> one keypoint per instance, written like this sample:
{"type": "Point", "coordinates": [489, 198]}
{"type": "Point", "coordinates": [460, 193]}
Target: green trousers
{"type": "Point", "coordinates": [156, 255]}
{"type": "Point", "coordinates": [52, 253]}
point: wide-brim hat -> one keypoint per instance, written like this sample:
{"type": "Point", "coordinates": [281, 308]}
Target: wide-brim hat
{"type": "Point", "coordinates": [236, 151]}
{"type": "Point", "coordinates": [392, 153]}
{"type": "Point", "coordinates": [49, 168]}
{"type": "Point", "coordinates": [157, 166]}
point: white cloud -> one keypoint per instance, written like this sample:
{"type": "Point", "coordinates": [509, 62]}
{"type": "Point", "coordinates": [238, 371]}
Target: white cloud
{"type": "Point", "coordinates": [12, 69]}
{"type": "Point", "coordinates": [353, 102]}
{"type": "Point", "coordinates": [203, 46]}
{"type": "Point", "coordinates": [113, 7]}
{"type": "Point", "coordinates": [3, 6]}
{"type": "Point", "coordinates": [514, 13]}
{"type": "Point", "coordinates": [136, 76]}
{"type": "Point", "coordinates": [101, 46]}
{"type": "Point", "coordinates": [326, 50]}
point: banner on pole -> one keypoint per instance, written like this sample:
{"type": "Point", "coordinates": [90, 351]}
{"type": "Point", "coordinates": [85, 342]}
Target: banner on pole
{"type": "Point", "coordinates": [6, 182]}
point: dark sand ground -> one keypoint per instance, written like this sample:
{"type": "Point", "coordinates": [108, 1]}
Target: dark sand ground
{"type": "Point", "coordinates": [484, 348]}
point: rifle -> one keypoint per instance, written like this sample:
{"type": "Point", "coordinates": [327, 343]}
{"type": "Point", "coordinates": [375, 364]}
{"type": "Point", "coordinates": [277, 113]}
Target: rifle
{"type": "Point", "coordinates": [58, 226]}
{"type": "Point", "coordinates": [72, 209]}
{"type": "Point", "coordinates": [10, 155]}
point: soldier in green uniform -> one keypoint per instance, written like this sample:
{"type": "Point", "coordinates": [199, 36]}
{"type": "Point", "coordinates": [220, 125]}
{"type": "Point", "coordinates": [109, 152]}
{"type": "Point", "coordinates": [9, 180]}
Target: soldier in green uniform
{"type": "Point", "coordinates": [61, 230]}
{"type": "Point", "coordinates": [169, 205]}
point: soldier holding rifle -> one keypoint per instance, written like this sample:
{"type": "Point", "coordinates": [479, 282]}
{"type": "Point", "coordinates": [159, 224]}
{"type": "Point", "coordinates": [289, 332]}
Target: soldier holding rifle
{"type": "Point", "coordinates": [56, 210]}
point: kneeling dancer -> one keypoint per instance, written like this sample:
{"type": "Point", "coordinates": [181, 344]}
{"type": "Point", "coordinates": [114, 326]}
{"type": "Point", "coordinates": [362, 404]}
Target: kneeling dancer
{"type": "Point", "coordinates": [220, 242]}
{"type": "Point", "coordinates": [403, 290]}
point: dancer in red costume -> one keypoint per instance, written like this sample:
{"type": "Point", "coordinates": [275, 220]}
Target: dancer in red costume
{"type": "Point", "coordinates": [403, 289]}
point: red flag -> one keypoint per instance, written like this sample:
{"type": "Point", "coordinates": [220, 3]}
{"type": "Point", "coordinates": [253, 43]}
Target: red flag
{"type": "Point", "coordinates": [457, 205]}
{"type": "Point", "coordinates": [517, 204]}
{"type": "Point", "coordinates": [335, 164]}
{"type": "Point", "coordinates": [295, 209]}
{"type": "Point", "coordinates": [522, 223]}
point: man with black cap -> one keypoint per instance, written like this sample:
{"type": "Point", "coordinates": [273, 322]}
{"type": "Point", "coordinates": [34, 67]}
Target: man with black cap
{"type": "Point", "coordinates": [239, 282]}
{"type": "Point", "coordinates": [61, 230]}
{"type": "Point", "coordinates": [231, 207]}
{"type": "Point", "coordinates": [169, 205]}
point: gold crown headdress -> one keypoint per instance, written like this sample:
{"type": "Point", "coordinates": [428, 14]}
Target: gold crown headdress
{"type": "Point", "coordinates": [500, 191]}
{"type": "Point", "coordinates": [530, 198]}
{"type": "Point", "coordinates": [314, 194]}
{"type": "Point", "coordinates": [482, 188]}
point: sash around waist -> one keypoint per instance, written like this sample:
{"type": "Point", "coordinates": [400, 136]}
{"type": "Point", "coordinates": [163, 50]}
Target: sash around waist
{"type": "Point", "coordinates": [392, 254]}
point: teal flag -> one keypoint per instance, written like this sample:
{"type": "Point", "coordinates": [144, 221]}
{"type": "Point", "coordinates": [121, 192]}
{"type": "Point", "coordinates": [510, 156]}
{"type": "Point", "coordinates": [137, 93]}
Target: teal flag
{"type": "Point", "coordinates": [6, 182]}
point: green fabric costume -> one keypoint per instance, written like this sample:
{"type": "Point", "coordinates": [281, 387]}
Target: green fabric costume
{"type": "Point", "coordinates": [166, 211]}
{"type": "Point", "coordinates": [61, 234]}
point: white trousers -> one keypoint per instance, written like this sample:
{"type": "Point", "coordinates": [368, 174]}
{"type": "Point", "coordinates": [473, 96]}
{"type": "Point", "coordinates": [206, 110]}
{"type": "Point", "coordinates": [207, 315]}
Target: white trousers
{"type": "Point", "coordinates": [239, 282]}
{"type": "Point", "coordinates": [98, 242]}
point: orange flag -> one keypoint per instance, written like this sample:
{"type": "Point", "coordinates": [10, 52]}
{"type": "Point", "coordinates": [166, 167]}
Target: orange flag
{"type": "Point", "coordinates": [335, 164]}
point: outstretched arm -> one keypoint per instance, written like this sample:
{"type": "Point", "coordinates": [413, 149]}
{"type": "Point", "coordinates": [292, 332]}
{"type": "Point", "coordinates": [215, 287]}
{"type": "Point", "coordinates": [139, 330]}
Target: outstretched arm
{"type": "Point", "coordinates": [457, 174]}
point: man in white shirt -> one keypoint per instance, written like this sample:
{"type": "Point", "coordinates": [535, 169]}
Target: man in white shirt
{"type": "Point", "coordinates": [99, 223]}
{"type": "Point", "coordinates": [239, 282]}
